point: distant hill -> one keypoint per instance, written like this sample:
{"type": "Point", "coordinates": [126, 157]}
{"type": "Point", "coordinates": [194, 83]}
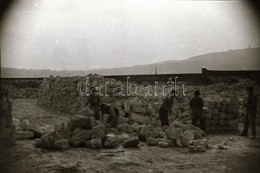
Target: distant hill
{"type": "Point", "coordinates": [30, 73]}
{"type": "Point", "coordinates": [240, 59]}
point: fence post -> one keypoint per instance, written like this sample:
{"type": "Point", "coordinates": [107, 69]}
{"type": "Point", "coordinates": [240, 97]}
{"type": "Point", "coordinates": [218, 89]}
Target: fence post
{"type": "Point", "coordinates": [205, 75]}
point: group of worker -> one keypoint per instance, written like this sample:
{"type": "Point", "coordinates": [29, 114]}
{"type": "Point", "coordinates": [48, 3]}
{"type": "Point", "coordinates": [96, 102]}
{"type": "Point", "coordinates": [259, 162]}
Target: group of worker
{"type": "Point", "coordinates": [196, 106]}
{"type": "Point", "coordinates": [197, 116]}
{"type": "Point", "coordinates": [100, 109]}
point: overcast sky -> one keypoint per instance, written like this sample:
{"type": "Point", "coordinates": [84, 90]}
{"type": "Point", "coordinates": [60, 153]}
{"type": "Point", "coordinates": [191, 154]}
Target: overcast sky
{"type": "Point", "coordinates": [88, 34]}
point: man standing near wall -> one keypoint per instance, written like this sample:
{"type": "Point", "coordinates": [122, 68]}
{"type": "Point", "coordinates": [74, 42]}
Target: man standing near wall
{"type": "Point", "coordinates": [196, 105]}
{"type": "Point", "coordinates": [95, 101]}
{"type": "Point", "coordinates": [166, 108]}
{"type": "Point", "coordinates": [113, 114]}
{"type": "Point", "coordinates": [251, 110]}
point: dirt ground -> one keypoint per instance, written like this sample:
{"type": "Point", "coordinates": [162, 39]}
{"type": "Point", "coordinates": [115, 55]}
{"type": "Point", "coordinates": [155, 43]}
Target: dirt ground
{"type": "Point", "coordinates": [242, 154]}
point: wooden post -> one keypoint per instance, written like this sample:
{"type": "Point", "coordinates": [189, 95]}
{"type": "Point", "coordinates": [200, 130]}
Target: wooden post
{"type": "Point", "coordinates": [205, 75]}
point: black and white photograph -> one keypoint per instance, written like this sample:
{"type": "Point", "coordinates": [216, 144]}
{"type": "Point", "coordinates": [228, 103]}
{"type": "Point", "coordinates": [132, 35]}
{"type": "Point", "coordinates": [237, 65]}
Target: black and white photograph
{"type": "Point", "coordinates": [129, 86]}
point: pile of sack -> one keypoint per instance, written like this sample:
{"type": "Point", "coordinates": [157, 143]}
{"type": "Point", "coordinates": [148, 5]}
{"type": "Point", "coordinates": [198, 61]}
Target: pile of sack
{"type": "Point", "coordinates": [221, 114]}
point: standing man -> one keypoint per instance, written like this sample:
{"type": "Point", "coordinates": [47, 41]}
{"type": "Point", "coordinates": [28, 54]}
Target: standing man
{"type": "Point", "coordinates": [95, 101]}
{"type": "Point", "coordinates": [166, 108]}
{"type": "Point", "coordinates": [251, 110]}
{"type": "Point", "coordinates": [196, 105]}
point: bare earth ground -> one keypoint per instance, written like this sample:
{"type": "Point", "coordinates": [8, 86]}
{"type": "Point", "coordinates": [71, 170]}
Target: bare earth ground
{"type": "Point", "coordinates": [242, 155]}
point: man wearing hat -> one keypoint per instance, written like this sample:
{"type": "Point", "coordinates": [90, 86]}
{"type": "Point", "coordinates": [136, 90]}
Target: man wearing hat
{"type": "Point", "coordinates": [251, 110]}
{"type": "Point", "coordinates": [196, 105]}
{"type": "Point", "coordinates": [166, 108]}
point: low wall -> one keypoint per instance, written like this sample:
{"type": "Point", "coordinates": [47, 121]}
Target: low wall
{"type": "Point", "coordinates": [250, 74]}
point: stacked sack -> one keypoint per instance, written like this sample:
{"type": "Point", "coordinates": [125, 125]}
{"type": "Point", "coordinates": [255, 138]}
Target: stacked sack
{"type": "Point", "coordinates": [221, 114]}
{"type": "Point", "coordinates": [7, 128]}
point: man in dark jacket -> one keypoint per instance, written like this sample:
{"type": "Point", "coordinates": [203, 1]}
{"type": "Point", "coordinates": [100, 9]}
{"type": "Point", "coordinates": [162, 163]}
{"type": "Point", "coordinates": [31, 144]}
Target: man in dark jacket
{"type": "Point", "coordinates": [196, 105]}
{"type": "Point", "coordinates": [251, 110]}
{"type": "Point", "coordinates": [166, 108]}
{"type": "Point", "coordinates": [113, 114]}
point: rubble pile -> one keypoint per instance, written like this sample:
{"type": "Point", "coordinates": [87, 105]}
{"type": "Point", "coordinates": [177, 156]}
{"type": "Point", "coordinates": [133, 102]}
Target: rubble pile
{"type": "Point", "coordinates": [221, 114]}
{"type": "Point", "coordinates": [176, 135]}
{"type": "Point", "coordinates": [199, 145]}
{"type": "Point", "coordinates": [7, 128]}
{"type": "Point", "coordinates": [26, 129]}
{"type": "Point", "coordinates": [83, 131]}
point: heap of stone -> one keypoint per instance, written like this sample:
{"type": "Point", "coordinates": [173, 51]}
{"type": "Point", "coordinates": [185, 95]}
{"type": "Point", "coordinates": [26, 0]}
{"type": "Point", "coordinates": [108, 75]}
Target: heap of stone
{"type": "Point", "coordinates": [80, 131]}
{"type": "Point", "coordinates": [176, 135]}
{"type": "Point", "coordinates": [221, 114]}
{"type": "Point", "coordinates": [7, 128]}
{"type": "Point", "coordinates": [199, 145]}
{"type": "Point", "coordinates": [85, 131]}
{"type": "Point", "coordinates": [25, 129]}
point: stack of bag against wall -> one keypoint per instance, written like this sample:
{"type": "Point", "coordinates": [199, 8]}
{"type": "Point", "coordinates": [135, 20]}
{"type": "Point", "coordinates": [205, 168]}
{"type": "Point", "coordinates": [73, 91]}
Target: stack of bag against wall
{"type": "Point", "coordinates": [221, 114]}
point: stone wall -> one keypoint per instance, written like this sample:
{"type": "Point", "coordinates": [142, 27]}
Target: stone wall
{"type": "Point", "coordinates": [22, 93]}
{"type": "Point", "coordinates": [62, 93]}
{"type": "Point", "coordinates": [223, 103]}
{"type": "Point", "coordinates": [22, 88]}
